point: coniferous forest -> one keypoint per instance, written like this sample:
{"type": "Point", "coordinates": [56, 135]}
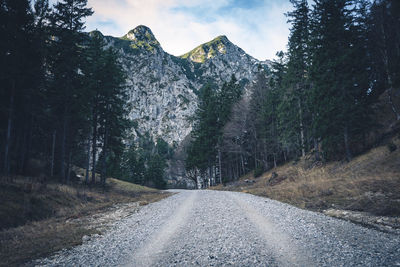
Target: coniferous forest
{"type": "Point", "coordinates": [343, 58]}
{"type": "Point", "coordinates": [64, 104]}
{"type": "Point", "coordinates": [63, 100]}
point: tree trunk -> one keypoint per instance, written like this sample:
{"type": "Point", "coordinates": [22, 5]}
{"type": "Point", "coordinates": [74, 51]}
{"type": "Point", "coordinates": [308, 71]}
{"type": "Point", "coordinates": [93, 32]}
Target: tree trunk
{"type": "Point", "coordinates": [265, 158]}
{"type": "Point", "coordinates": [242, 163]}
{"type": "Point", "coordinates": [23, 151]}
{"type": "Point", "coordinates": [63, 145]}
{"type": "Point", "coordinates": [209, 176]}
{"type": "Point", "coordinates": [94, 146]}
{"type": "Point", "coordinates": [237, 174]}
{"type": "Point", "coordinates": [197, 180]}
{"type": "Point", "coordinates": [8, 136]}
{"type": "Point", "coordinates": [388, 75]}
{"type": "Point", "coordinates": [303, 152]}
{"type": "Point", "coordinates": [52, 153]}
{"type": "Point", "coordinates": [316, 150]}
{"type": "Point", "coordinates": [220, 166]}
{"type": "Point", "coordinates": [396, 113]}
{"type": "Point", "coordinates": [346, 144]}
{"type": "Point", "coordinates": [26, 145]}
{"type": "Point", "coordinates": [69, 167]}
{"type": "Point", "coordinates": [87, 162]}
{"type": "Point", "coordinates": [104, 164]}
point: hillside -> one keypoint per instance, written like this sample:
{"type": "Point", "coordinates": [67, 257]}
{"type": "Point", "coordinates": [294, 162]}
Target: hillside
{"type": "Point", "coordinates": [368, 185]}
{"type": "Point", "coordinates": [37, 219]}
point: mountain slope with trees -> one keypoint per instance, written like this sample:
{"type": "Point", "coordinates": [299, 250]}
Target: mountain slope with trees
{"type": "Point", "coordinates": [321, 96]}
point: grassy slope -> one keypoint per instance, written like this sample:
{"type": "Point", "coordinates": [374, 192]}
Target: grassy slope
{"type": "Point", "coordinates": [42, 213]}
{"type": "Point", "coordinates": [370, 182]}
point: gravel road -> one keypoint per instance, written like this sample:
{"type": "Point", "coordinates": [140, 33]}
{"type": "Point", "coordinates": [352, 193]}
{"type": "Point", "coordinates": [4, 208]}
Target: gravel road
{"type": "Point", "coordinates": [213, 228]}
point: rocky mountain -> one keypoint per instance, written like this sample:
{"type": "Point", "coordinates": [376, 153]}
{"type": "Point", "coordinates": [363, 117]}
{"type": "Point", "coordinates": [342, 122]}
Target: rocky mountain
{"type": "Point", "coordinates": [163, 88]}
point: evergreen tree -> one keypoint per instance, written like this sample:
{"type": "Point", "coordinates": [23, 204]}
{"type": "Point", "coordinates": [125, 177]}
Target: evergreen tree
{"type": "Point", "coordinates": [339, 92]}
{"type": "Point", "coordinates": [68, 97]}
{"type": "Point", "coordinates": [133, 166]}
{"type": "Point", "coordinates": [384, 50]}
{"type": "Point", "coordinates": [205, 130]}
{"type": "Point", "coordinates": [214, 111]}
{"type": "Point", "coordinates": [155, 171]}
{"type": "Point", "coordinates": [293, 107]}
{"type": "Point", "coordinates": [112, 110]}
{"type": "Point", "coordinates": [17, 76]}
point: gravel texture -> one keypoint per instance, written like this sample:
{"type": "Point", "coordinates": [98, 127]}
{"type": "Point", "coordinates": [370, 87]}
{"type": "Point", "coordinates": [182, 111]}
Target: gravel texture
{"type": "Point", "coordinates": [214, 228]}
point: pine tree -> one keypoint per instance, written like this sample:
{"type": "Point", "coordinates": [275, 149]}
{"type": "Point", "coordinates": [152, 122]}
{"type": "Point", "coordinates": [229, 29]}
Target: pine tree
{"type": "Point", "coordinates": [384, 50]}
{"type": "Point", "coordinates": [112, 110]}
{"type": "Point", "coordinates": [339, 92]}
{"type": "Point", "coordinates": [67, 94]}
{"type": "Point", "coordinates": [205, 130]}
{"type": "Point", "coordinates": [17, 68]}
{"type": "Point", "coordinates": [293, 108]}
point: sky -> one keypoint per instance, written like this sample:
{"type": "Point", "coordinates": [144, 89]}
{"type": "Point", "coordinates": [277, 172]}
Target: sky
{"type": "Point", "coordinates": [257, 26]}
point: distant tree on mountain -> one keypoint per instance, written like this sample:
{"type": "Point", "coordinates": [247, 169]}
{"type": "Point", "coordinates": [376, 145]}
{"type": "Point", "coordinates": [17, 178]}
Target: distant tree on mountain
{"type": "Point", "coordinates": [214, 110]}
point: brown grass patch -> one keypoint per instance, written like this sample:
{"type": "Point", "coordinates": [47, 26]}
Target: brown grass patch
{"type": "Point", "coordinates": [370, 182]}
{"type": "Point", "coordinates": [42, 212]}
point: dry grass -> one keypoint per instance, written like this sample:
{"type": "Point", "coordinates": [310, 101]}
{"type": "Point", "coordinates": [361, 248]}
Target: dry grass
{"type": "Point", "coordinates": [370, 182]}
{"type": "Point", "coordinates": [42, 211]}
{"type": "Point", "coordinates": [38, 239]}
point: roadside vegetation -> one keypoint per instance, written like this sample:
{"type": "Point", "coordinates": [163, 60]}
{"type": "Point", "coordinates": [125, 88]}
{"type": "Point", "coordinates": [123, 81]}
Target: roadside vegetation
{"type": "Point", "coordinates": [64, 130]}
{"type": "Point", "coordinates": [319, 100]}
{"type": "Point", "coordinates": [370, 183]}
{"type": "Point", "coordinates": [37, 219]}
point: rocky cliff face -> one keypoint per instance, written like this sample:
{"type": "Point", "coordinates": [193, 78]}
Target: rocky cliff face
{"type": "Point", "coordinates": [163, 88]}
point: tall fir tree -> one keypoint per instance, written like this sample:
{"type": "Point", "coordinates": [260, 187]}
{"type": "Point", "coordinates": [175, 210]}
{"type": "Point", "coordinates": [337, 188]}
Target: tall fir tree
{"type": "Point", "coordinates": [18, 74]}
{"type": "Point", "coordinates": [339, 92]}
{"type": "Point", "coordinates": [67, 57]}
{"type": "Point", "coordinates": [293, 107]}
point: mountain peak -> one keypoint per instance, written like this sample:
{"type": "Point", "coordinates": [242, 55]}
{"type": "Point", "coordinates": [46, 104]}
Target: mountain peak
{"type": "Point", "coordinates": [216, 46]}
{"type": "Point", "coordinates": [142, 37]}
{"type": "Point", "coordinates": [220, 38]}
{"type": "Point", "coordinates": [140, 33]}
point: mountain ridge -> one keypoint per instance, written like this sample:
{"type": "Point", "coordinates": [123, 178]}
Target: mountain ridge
{"type": "Point", "coordinates": [163, 88]}
{"type": "Point", "coordinates": [152, 71]}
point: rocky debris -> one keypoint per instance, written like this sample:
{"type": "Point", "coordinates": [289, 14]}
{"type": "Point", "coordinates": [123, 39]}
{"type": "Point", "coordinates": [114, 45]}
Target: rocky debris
{"type": "Point", "coordinates": [275, 179]}
{"type": "Point", "coordinates": [249, 181]}
{"type": "Point", "coordinates": [382, 223]}
{"type": "Point", "coordinates": [214, 228]}
{"type": "Point", "coordinates": [103, 220]}
{"type": "Point", "coordinates": [377, 203]}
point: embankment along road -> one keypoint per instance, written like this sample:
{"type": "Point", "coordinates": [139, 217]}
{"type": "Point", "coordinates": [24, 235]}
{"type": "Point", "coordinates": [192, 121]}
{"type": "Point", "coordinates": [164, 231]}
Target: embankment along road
{"type": "Point", "coordinates": [213, 228]}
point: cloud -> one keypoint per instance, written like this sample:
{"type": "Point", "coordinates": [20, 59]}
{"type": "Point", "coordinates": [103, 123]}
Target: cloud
{"type": "Point", "coordinates": [257, 26]}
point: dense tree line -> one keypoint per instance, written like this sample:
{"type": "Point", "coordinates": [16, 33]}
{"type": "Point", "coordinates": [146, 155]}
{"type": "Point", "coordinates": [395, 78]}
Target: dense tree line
{"type": "Point", "coordinates": [317, 97]}
{"type": "Point", "coordinates": [215, 105]}
{"type": "Point", "coordinates": [62, 97]}
{"type": "Point", "coordinates": [144, 162]}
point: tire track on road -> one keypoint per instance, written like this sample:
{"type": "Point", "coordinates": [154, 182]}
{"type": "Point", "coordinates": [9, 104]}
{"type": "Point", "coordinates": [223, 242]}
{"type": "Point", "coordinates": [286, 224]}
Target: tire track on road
{"type": "Point", "coordinates": [154, 247]}
{"type": "Point", "coordinates": [279, 242]}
